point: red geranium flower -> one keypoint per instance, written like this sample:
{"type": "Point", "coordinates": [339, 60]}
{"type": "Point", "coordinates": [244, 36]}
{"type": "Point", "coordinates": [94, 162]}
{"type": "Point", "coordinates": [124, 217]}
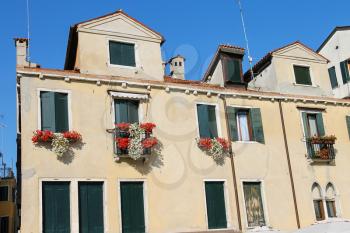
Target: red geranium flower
{"type": "Point", "coordinates": [205, 143]}
{"type": "Point", "coordinates": [123, 126]}
{"type": "Point", "coordinates": [123, 143]}
{"type": "Point", "coordinates": [225, 144]}
{"type": "Point", "coordinates": [149, 142]}
{"type": "Point", "coordinates": [148, 127]}
{"type": "Point", "coordinates": [72, 136]}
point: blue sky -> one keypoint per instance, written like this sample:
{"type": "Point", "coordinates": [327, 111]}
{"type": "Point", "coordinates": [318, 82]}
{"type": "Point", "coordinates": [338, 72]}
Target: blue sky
{"type": "Point", "coordinates": [192, 28]}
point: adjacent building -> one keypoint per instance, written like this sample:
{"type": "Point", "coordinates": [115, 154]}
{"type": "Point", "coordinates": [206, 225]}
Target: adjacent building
{"type": "Point", "coordinates": [84, 168]}
{"type": "Point", "coordinates": [7, 202]}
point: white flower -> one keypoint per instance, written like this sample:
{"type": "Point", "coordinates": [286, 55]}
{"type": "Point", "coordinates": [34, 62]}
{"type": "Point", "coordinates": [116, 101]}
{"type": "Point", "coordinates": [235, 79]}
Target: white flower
{"type": "Point", "coordinates": [59, 144]}
{"type": "Point", "coordinates": [135, 148]}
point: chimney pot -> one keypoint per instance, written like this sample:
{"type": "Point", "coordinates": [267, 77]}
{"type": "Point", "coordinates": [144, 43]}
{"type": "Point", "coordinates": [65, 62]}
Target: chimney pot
{"type": "Point", "coordinates": [177, 67]}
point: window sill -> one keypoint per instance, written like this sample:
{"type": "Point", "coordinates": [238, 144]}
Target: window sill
{"type": "Point", "coordinates": [304, 85]}
{"type": "Point", "coordinates": [122, 67]}
{"type": "Point", "coordinates": [246, 142]}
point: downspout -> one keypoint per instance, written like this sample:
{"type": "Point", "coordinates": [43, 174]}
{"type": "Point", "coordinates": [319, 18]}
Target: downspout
{"type": "Point", "coordinates": [232, 165]}
{"type": "Point", "coordinates": [289, 163]}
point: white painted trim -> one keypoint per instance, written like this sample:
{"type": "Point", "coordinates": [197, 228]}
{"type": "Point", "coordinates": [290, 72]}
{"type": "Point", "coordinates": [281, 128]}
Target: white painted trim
{"type": "Point", "coordinates": [227, 204]}
{"type": "Point", "coordinates": [126, 95]}
{"type": "Point", "coordinates": [263, 197]}
{"type": "Point", "coordinates": [136, 52]}
{"type": "Point", "coordinates": [217, 115]}
{"type": "Point", "coordinates": [74, 201]}
{"type": "Point", "coordinates": [145, 202]}
{"type": "Point", "coordinates": [69, 97]}
{"type": "Point", "coordinates": [313, 84]}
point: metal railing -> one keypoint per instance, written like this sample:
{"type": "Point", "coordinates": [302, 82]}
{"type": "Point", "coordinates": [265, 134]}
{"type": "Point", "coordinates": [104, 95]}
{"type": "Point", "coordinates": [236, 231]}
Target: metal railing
{"type": "Point", "coordinates": [320, 150]}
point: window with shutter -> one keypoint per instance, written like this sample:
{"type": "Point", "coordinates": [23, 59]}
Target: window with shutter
{"type": "Point", "coordinates": [215, 202]}
{"type": "Point", "coordinates": [232, 70]}
{"type": "Point", "coordinates": [122, 54]}
{"type": "Point", "coordinates": [56, 207]}
{"type": "Point", "coordinates": [91, 207]}
{"type": "Point", "coordinates": [302, 75]}
{"type": "Point", "coordinates": [347, 118]}
{"type": "Point", "coordinates": [254, 204]}
{"type": "Point", "coordinates": [4, 224]}
{"type": "Point", "coordinates": [333, 77]}
{"type": "Point", "coordinates": [132, 207]}
{"type": "Point", "coordinates": [344, 68]}
{"type": "Point", "coordinates": [54, 111]}
{"type": "Point", "coordinates": [207, 121]}
{"type": "Point", "coordinates": [4, 192]}
{"type": "Point", "coordinates": [126, 111]}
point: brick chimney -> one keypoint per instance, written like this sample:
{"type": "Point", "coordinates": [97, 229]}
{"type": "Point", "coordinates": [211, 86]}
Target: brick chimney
{"type": "Point", "coordinates": [21, 53]}
{"type": "Point", "coordinates": [177, 67]}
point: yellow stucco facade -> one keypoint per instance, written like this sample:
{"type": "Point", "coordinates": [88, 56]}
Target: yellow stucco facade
{"type": "Point", "coordinates": [8, 206]}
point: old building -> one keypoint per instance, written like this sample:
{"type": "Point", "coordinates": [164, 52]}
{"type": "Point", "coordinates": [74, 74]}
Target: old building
{"type": "Point", "coordinates": [7, 202]}
{"type": "Point", "coordinates": [84, 168]}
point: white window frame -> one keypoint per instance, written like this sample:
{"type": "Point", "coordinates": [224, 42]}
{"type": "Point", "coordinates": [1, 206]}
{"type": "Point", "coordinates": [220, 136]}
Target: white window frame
{"type": "Point", "coordinates": [336, 202]}
{"type": "Point", "coordinates": [8, 192]}
{"type": "Point", "coordinates": [217, 115]}
{"type": "Point", "coordinates": [313, 84]}
{"type": "Point", "coordinates": [136, 51]}
{"type": "Point", "coordinates": [139, 112]}
{"type": "Point", "coordinates": [145, 201]}
{"type": "Point", "coordinates": [74, 201]}
{"type": "Point", "coordinates": [263, 197]}
{"type": "Point", "coordinates": [227, 204]}
{"type": "Point", "coordinates": [69, 97]}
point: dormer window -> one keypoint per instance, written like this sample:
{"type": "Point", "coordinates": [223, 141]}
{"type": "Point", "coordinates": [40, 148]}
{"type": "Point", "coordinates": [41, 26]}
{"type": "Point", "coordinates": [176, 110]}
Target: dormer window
{"type": "Point", "coordinates": [302, 75]}
{"type": "Point", "coordinates": [344, 67]}
{"type": "Point", "coordinates": [122, 54]}
{"type": "Point", "coordinates": [232, 70]}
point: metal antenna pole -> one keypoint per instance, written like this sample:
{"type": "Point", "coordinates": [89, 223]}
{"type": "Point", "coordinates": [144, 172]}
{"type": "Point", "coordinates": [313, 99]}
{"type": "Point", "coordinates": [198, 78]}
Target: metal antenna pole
{"type": "Point", "coordinates": [250, 59]}
{"type": "Point", "coordinates": [28, 32]}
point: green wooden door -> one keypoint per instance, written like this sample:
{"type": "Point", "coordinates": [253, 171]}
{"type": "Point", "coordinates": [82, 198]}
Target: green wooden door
{"type": "Point", "coordinates": [132, 206]}
{"type": "Point", "coordinates": [91, 207]}
{"type": "Point", "coordinates": [56, 207]}
{"type": "Point", "coordinates": [216, 210]}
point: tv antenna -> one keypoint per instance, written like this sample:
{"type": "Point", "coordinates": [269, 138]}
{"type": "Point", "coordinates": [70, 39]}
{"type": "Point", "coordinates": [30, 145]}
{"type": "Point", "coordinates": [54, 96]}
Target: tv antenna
{"type": "Point", "coordinates": [250, 59]}
{"type": "Point", "coordinates": [28, 32]}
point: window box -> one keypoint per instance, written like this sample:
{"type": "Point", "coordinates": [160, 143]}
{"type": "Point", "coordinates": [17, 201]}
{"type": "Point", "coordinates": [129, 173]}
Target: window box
{"type": "Point", "coordinates": [321, 148]}
{"type": "Point", "coordinates": [217, 148]}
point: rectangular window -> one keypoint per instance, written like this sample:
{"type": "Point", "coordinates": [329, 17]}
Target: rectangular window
{"type": "Point", "coordinates": [245, 124]}
{"type": "Point", "coordinates": [56, 207]}
{"type": "Point", "coordinates": [313, 124]}
{"type": "Point", "coordinates": [302, 75]}
{"type": "Point", "coordinates": [333, 77]}
{"type": "Point", "coordinates": [90, 207]}
{"type": "Point", "coordinates": [319, 212]}
{"type": "Point", "coordinates": [132, 207]}
{"type": "Point", "coordinates": [331, 210]}
{"type": "Point", "coordinates": [254, 204]}
{"type": "Point", "coordinates": [4, 224]}
{"type": "Point", "coordinates": [4, 193]}
{"type": "Point", "coordinates": [207, 121]}
{"type": "Point", "coordinates": [122, 54]}
{"type": "Point", "coordinates": [215, 201]}
{"type": "Point", "coordinates": [126, 111]}
{"type": "Point", "coordinates": [347, 119]}
{"type": "Point", "coordinates": [54, 111]}
{"type": "Point", "coordinates": [232, 68]}
{"type": "Point", "coordinates": [344, 67]}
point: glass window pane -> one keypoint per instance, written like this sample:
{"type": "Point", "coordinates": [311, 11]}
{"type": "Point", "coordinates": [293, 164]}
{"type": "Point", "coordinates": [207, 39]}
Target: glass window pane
{"type": "Point", "coordinates": [243, 127]}
{"type": "Point", "coordinates": [318, 206]}
{"type": "Point", "coordinates": [313, 125]}
{"type": "Point", "coordinates": [331, 209]}
{"type": "Point", "coordinates": [254, 204]}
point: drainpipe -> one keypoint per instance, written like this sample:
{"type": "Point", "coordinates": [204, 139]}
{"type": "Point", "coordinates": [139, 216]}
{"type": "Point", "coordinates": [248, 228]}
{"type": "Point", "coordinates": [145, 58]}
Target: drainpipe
{"type": "Point", "coordinates": [232, 165]}
{"type": "Point", "coordinates": [289, 163]}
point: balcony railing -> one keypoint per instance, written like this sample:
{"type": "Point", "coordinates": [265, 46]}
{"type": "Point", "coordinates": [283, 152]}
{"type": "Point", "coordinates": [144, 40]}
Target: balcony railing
{"type": "Point", "coordinates": [321, 148]}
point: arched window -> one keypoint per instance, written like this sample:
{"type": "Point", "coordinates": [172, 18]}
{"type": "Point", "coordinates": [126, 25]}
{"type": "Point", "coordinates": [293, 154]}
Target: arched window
{"type": "Point", "coordinates": [330, 201]}
{"type": "Point", "coordinates": [318, 202]}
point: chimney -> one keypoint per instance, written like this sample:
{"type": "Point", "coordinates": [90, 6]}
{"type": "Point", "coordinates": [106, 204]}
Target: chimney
{"type": "Point", "coordinates": [21, 53]}
{"type": "Point", "coordinates": [177, 67]}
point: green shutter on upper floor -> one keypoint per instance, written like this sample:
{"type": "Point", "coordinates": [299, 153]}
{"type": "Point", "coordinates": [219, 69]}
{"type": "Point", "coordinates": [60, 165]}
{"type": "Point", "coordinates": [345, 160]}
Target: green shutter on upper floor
{"type": "Point", "coordinates": [257, 125]}
{"type": "Point", "coordinates": [202, 114]}
{"type": "Point", "coordinates": [348, 124]}
{"type": "Point", "coordinates": [305, 124]}
{"type": "Point", "coordinates": [215, 202]}
{"type": "Point", "coordinates": [47, 105]}
{"type": "Point", "coordinates": [122, 53]}
{"type": "Point", "coordinates": [133, 111]}
{"type": "Point", "coordinates": [333, 77]}
{"type": "Point", "coordinates": [345, 71]}
{"type": "Point", "coordinates": [126, 111]}
{"type": "Point", "coordinates": [91, 207]}
{"type": "Point", "coordinates": [320, 125]}
{"type": "Point", "coordinates": [302, 75]}
{"type": "Point", "coordinates": [213, 128]}
{"type": "Point", "coordinates": [233, 70]}
{"type": "Point", "coordinates": [56, 207]}
{"type": "Point", "coordinates": [132, 207]}
{"type": "Point", "coordinates": [232, 121]}
{"type": "Point", "coordinates": [61, 112]}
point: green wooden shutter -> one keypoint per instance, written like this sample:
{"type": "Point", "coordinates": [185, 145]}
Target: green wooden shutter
{"type": "Point", "coordinates": [56, 207]}
{"type": "Point", "coordinates": [122, 53]}
{"type": "Point", "coordinates": [91, 207]}
{"type": "Point", "coordinates": [213, 128]}
{"type": "Point", "coordinates": [4, 225]}
{"type": "Point", "coordinates": [257, 125]}
{"type": "Point", "coordinates": [232, 122]}
{"type": "Point", "coordinates": [345, 71]}
{"type": "Point", "coordinates": [4, 193]}
{"type": "Point", "coordinates": [47, 102]}
{"type": "Point", "coordinates": [348, 124]}
{"type": "Point", "coordinates": [320, 125]}
{"type": "Point", "coordinates": [306, 124]}
{"type": "Point", "coordinates": [133, 111]}
{"type": "Point", "coordinates": [202, 114]}
{"type": "Point", "coordinates": [61, 112]}
{"type": "Point", "coordinates": [128, 53]}
{"type": "Point", "coordinates": [333, 77]}
{"type": "Point", "coordinates": [233, 70]}
{"type": "Point", "coordinates": [132, 206]}
{"type": "Point", "coordinates": [302, 75]}
{"type": "Point", "coordinates": [215, 200]}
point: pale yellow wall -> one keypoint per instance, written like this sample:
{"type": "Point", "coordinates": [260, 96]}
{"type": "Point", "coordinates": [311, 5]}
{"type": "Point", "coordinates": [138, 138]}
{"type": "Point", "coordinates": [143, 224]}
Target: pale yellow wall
{"type": "Point", "coordinates": [8, 208]}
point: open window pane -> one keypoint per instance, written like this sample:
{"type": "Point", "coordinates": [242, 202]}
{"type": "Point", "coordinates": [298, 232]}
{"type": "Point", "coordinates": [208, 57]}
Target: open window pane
{"type": "Point", "coordinates": [318, 206]}
{"type": "Point", "coordinates": [243, 126]}
{"type": "Point", "coordinates": [254, 204]}
{"type": "Point", "coordinates": [331, 210]}
{"type": "Point", "coordinates": [302, 75]}
{"type": "Point", "coordinates": [122, 53]}
{"type": "Point", "coordinates": [312, 125]}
